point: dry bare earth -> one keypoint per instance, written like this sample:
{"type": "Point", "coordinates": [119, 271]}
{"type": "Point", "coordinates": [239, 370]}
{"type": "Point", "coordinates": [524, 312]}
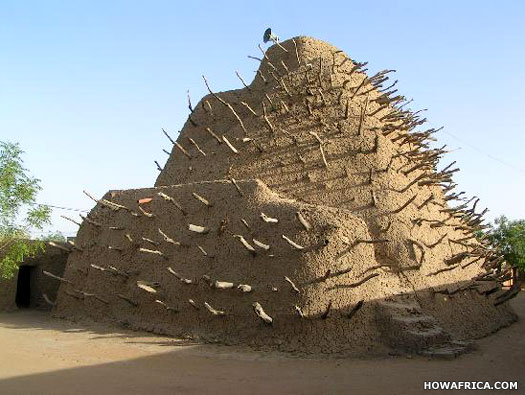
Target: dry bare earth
{"type": "Point", "coordinates": [40, 355]}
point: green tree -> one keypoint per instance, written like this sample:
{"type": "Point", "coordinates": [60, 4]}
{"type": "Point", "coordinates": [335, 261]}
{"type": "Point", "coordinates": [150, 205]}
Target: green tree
{"type": "Point", "coordinates": [54, 236]}
{"type": "Point", "coordinates": [19, 212]}
{"type": "Point", "coordinates": [510, 237]}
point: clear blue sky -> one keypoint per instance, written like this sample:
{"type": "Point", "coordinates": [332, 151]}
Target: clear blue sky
{"type": "Point", "coordinates": [85, 86]}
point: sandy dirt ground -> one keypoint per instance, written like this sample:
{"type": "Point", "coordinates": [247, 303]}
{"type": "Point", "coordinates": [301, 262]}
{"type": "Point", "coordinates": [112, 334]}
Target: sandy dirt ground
{"type": "Point", "coordinates": [41, 355]}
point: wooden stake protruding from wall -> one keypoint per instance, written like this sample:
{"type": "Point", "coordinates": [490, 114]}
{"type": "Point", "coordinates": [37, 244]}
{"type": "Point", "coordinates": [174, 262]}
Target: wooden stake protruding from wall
{"type": "Point", "coordinates": [213, 311]}
{"type": "Point", "coordinates": [196, 146]}
{"type": "Point", "coordinates": [242, 81]}
{"type": "Point", "coordinates": [259, 311]}
{"type": "Point", "coordinates": [303, 221]}
{"type": "Point", "coordinates": [293, 243]}
{"type": "Point", "coordinates": [172, 200]}
{"type": "Point", "coordinates": [320, 147]}
{"type": "Point", "coordinates": [246, 245]}
{"type": "Point", "coordinates": [294, 288]}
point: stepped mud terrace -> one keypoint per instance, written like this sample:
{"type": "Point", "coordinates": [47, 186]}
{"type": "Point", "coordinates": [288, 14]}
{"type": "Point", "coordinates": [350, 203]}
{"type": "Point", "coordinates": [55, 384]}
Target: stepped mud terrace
{"type": "Point", "coordinates": [303, 212]}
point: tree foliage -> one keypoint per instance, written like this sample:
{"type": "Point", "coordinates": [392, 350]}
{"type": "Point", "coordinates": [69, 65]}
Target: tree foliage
{"type": "Point", "coordinates": [509, 236]}
{"type": "Point", "coordinates": [19, 212]}
{"type": "Point", "coordinates": [54, 236]}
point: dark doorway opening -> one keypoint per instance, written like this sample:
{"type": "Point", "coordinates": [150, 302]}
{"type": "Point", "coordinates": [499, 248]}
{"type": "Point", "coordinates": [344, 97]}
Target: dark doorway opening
{"type": "Point", "coordinates": [23, 287]}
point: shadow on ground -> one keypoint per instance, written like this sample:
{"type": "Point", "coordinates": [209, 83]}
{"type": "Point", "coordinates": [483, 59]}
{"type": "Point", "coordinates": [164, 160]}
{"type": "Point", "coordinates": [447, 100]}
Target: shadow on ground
{"type": "Point", "coordinates": [186, 368]}
{"type": "Point", "coordinates": [32, 320]}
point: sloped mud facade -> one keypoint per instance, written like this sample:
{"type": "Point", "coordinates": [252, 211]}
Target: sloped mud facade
{"type": "Point", "coordinates": [304, 212]}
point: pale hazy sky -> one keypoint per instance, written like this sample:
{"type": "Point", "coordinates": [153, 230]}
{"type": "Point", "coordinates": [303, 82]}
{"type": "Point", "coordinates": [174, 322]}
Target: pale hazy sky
{"type": "Point", "coordinates": [86, 86]}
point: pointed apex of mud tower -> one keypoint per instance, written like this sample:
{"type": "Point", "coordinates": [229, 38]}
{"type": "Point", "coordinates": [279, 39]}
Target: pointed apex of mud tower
{"type": "Point", "coordinates": [305, 211]}
{"type": "Point", "coordinates": [297, 51]}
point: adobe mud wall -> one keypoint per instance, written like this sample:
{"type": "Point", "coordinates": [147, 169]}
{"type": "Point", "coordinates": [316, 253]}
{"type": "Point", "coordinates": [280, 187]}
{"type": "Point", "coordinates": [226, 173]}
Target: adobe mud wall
{"type": "Point", "coordinates": [53, 260]}
{"type": "Point", "coordinates": [303, 212]}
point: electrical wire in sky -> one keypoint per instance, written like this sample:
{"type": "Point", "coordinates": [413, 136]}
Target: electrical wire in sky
{"type": "Point", "coordinates": [63, 208]}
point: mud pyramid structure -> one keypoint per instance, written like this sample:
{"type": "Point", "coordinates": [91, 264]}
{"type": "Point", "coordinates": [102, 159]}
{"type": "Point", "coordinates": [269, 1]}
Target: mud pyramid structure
{"type": "Point", "coordinates": [302, 212]}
